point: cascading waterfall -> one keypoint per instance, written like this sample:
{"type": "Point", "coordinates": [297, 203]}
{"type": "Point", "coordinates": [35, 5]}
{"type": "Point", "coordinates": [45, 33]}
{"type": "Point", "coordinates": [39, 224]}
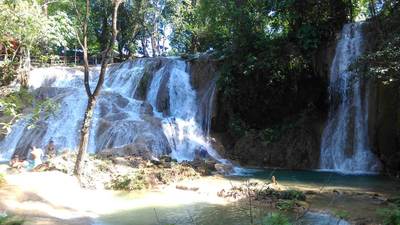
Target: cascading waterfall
{"type": "Point", "coordinates": [207, 102]}
{"type": "Point", "coordinates": [345, 144]}
{"type": "Point", "coordinates": [164, 122]}
{"type": "Point", "coordinates": [185, 134]}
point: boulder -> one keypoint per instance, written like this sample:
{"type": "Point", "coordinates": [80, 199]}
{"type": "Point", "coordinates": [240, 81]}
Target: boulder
{"type": "Point", "coordinates": [224, 169]}
{"type": "Point", "coordinates": [137, 150]}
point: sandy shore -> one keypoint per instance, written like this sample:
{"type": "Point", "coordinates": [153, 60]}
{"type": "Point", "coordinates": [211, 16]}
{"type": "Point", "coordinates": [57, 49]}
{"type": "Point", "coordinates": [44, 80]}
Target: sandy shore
{"type": "Point", "coordinates": [57, 198]}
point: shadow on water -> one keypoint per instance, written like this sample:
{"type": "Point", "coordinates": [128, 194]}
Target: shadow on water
{"type": "Point", "coordinates": [205, 214]}
{"type": "Point", "coordinates": [318, 179]}
{"type": "Point", "coordinates": [237, 214]}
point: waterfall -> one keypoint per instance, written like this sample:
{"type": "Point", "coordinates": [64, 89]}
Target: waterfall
{"type": "Point", "coordinates": [207, 102]}
{"type": "Point", "coordinates": [345, 144]}
{"type": "Point", "coordinates": [164, 121]}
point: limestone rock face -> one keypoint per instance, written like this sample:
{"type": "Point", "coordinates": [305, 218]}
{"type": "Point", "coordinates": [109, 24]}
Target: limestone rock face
{"type": "Point", "coordinates": [139, 149]}
{"type": "Point", "coordinates": [297, 149]}
{"type": "Point", "coordinates": [384, 114]}
{"type": "Point", "coordinates": [385, 124]}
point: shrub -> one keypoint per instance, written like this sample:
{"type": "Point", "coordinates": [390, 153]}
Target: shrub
{"type": "Point", "coordinates": [293, 195]}
{"type": "Point", "coordinates": [286, 205]}
{"type": "Point", "coordinates": [276, 219]}
{"type": "Point", "coordinates": [390, 216]}
{"type": "Point", "coordinates": [10, 220]}
{"type": "Point", "coordinates": [7, 73]}
{"type": "Point", "coordinates": [342, 214]}
{"type": "Point", "coordinates": [130, 182]}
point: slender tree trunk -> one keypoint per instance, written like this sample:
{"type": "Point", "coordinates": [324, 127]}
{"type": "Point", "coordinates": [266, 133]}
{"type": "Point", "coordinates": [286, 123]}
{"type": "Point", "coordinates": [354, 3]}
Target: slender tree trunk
{"type": "Point", "coordinates": [45, 6]}
{"type": "Point", "coordinates": [6, 53]}
{"type": "Point", "coordinates": [153, 45]}
{"type": "Point", "coordinates": [24, 68]}
{"type": "Point", "coordinates": [93, 96]}
{"type": "Point", "coordinates": [85, 134]}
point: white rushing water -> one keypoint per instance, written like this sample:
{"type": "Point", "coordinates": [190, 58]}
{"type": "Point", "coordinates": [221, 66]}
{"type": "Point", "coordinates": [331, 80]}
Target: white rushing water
{"type": "Point", "coordinates": [345, 144]}
{"type": "Point", "coordinates": [165, 122]}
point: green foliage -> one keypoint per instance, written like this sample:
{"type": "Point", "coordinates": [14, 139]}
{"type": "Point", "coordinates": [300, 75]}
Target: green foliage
{"type": "Point", "coordinates": [383, 62]}
{"type": "Point", "coordinates": [276, 219]}
{"type": "Point", "coordinates": [390, 216]}
{"type": "Point", "coordinates": [342, 214]}
{"type": "Point", "coordinates": [10, 220]}
{"type": "Point", "coordinates": [293, 195]}
{"type": "Point", "coordinates": [7, 73]}
{"type": "Point", "coordinates": [43, 110]}
{"type": "Point", "coordinates": [286, 205]}
{"type": "Point", "coordinates": [267, 53]}
{"type": "Point", "coordinates": [14, 104]}
{"type": "Point", "coordinates": [130, 182]}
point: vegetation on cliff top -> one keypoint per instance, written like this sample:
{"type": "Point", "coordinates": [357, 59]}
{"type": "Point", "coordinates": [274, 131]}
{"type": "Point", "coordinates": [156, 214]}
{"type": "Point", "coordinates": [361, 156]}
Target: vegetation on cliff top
{"type": "Point", "coordinates": [383, 60]}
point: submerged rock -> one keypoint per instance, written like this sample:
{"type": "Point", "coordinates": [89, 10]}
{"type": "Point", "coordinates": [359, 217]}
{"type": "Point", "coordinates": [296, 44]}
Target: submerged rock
{"type": "Point", "coordinates": [224, 169]}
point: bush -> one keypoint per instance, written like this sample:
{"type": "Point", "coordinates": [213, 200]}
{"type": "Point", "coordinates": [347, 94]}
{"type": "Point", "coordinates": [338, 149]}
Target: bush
{"type": "Point", "coordinates": [285, 195]}
{"type": "Point", "coordinates": [276, 219]}
{"type": "Point", "coordinates": [390, 216]}
{"type": "Point", "coordinates": [286, 205]}
{"type": "Point", "coordinates": [7, 73]}
{"type": "Point", "coordinates": [130, 182]}
{"type": "Point", "coordinates": [10, 220]}
{"type": "Point", "coordinates": [342, 214]}
{"type": "Point", "coordinates": [293, 195]}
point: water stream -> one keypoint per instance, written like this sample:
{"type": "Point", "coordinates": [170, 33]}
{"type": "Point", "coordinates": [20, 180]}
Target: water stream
{"type": "Point", "coordinates": [167, 120]}
{"type": "Point", "coordinates": [345, 143]}
{"type": "Point", "coordinates": [190, 208]}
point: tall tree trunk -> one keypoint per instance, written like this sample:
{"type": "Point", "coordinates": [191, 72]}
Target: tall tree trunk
{"type": "Point", "coordinates": [93, 96]}
{"type": "Point", "coordinates": [84, 134]}
{"type": "Point", "coordinates": [24, 67]}
{"type": "Point", "coordinates": [153, 45]}
{"type": "Point", "coordinates": [45, 7]}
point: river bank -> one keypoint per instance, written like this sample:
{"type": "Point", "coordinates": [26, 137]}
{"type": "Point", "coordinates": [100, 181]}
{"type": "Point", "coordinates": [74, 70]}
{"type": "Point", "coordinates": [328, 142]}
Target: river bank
{"type": "Point", "coordinates": [54, 197]}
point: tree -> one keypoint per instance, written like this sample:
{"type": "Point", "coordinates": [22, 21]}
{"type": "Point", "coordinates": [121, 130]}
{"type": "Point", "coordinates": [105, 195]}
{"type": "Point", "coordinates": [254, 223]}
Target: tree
{"type": "Point", "coordinates": [92, 96]}
{"type": "Point", "coordinates": [129, 26]}
{"type": "Point", "coordinates": [24, 26]}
